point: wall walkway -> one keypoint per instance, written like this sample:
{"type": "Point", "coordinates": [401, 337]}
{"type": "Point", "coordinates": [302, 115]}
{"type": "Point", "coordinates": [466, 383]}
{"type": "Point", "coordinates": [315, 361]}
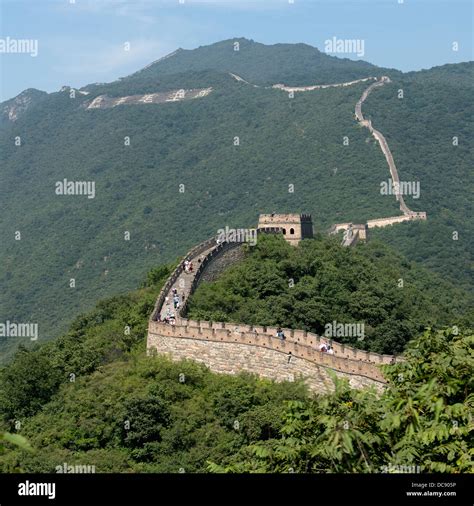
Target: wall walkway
{"type": "Point", "coordinates": [231, 348]}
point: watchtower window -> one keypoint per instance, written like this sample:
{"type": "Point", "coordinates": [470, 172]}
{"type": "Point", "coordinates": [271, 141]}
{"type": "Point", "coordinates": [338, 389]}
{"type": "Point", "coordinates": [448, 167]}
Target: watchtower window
{"type": "Point", "coordinates": [292, 231]}
{"type": "Point", "coordinates": [284, 231]}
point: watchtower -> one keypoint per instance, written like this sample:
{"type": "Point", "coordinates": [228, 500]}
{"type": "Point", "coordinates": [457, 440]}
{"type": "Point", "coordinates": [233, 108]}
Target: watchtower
{"type": "Point", "coordinates": [294, 227]}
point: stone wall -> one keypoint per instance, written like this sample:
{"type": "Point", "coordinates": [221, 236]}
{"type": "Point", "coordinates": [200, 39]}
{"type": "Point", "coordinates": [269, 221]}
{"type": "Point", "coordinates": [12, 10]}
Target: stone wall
{"type": "Point", "coordinates": [353, 233]}
{"type": "Point", "coordinates": [193, 253]}
{"type": "Point", "coordinates": [298, 343]}
{"type": "Point", "coordinates": [383, 222]}
{"type": "Point", "coordinates": [221, 263]}
{"type": "Point", "coordinates": [232, 348]}
{"type": "Point", "coordinates": [389, 158]}
{"type": "Point", "coordinates": [232, 358]}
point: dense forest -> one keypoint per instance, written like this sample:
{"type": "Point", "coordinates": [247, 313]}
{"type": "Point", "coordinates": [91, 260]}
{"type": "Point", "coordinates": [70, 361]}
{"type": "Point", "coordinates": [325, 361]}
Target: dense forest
{"type": "Point", "coordinates": [320, 282]}
{"type": "Point", "coordinates": [264, 65]}
{"type": "Point", "coordinates": [422, 422]}
{"type": "Point", "coordinates": [51, 239]}
{"type": "Point", "coordinates": [93, 398]}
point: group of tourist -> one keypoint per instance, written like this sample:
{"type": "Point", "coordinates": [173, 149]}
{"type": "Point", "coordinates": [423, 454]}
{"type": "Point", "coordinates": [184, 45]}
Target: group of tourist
{"type": "Point", "coordinates": [176, 301]}
{"type": "Point", "coordinates": [170, 316]}
{"type": "Point", "coordinates": [280, 334]}
{"type": "Point", "coordinates": [326, 348]}
{"type": "Point", "coordinates": [323, 347]}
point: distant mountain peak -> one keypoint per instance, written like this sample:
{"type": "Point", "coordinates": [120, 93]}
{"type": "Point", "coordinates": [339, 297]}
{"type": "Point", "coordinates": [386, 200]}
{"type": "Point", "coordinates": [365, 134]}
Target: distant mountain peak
{"type": "Point", "coordinates": [297, 64]}
{"type": "Point", "coordinates": [12, 109]}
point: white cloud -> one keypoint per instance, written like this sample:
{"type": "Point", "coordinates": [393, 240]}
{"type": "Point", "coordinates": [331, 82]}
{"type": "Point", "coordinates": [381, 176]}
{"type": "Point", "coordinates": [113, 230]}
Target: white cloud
{"type": "Point", "coordinates": [138, 10]}
{"type": "Point", "coordinates": [109, 58]}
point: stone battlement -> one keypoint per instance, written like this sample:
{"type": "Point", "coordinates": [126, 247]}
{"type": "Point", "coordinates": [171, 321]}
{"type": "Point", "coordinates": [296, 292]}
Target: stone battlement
{"type": "Point", "coordinates": [294, 227]}
{"type": "Point", "coordinates": [383, 222]}
{"type": "Point", "coordinates": [279, 218]}
{"type": "Point", "coordinates": [231, 348]}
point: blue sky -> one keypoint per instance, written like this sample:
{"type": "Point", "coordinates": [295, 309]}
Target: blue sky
{"type": "Point", "coordinates": [82, 41]}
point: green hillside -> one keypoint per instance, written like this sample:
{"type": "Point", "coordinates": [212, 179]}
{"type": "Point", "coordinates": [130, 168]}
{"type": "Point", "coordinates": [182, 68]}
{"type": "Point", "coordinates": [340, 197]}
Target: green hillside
{"type": "Point", "coordinates": [420, 129]}
{"type": "Point", "coordinates": [282, 142]}
{"type": "Point", "coordinates": [291, 64]}
{"type": "Point", "coordinates": [369, 284]}
{"type": "Point", "coordinates": [93, 398]}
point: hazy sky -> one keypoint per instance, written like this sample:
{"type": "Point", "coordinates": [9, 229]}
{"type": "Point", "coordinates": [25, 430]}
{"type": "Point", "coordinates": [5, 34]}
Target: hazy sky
{"type": "Point", "coordinates": [82, 41]}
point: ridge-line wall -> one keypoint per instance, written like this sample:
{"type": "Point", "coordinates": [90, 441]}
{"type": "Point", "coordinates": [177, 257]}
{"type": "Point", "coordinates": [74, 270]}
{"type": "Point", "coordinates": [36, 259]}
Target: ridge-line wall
{"type": "Point", "coordinates": [387, 153]}
{"type": "Point", "coordinates": [231, 348]}
{"type": "Point", "coordinates": [382, 222]}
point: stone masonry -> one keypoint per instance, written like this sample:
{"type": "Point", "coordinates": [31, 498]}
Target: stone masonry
{"type": "Point", "coordinates": [230, 348]}
{"type": "Point", "coordinates": [294, 227]}
{"type": "Point", "coordinates": [232, 358]}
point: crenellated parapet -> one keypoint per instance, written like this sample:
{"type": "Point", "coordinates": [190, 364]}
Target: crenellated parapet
{"type": "Point", "coordinates": [230, 348]}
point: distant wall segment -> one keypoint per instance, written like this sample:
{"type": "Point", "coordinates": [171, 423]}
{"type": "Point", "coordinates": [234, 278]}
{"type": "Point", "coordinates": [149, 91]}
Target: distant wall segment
{"type": "Point", "coordinates": [231, 348]}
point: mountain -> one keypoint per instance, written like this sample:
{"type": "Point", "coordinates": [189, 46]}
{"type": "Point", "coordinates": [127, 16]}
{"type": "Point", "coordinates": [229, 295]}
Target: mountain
{"type": "Point", "coordinates": [12, 109]}
{"type": "Point", "coordinates": [182, 148]}
{"type": "Point", "coordinates": [265, 65]}
{"type": "Point", "coordinates": [93, 401]}
{"type": "Point", "coordinates": [332, 284]}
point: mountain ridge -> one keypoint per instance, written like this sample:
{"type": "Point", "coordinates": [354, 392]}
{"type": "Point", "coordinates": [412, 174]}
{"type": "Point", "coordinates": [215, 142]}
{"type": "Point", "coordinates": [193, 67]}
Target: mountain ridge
{"type": "Point", "coordinates": [281, 141]}
{"type": "Point", "coordinates": [149, 69]}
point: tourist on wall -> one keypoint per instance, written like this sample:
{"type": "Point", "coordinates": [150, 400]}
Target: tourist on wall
{"type": "Point", "coordinates": [280, 334]}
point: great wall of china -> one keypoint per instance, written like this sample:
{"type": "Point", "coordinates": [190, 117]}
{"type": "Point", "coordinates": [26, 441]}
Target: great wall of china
{"type": "Point", "coordinates": [352, 232]}
{"type": "Point", "coordinates": [355, 232]}
{"type": "Point", "coordinates": [232, 348]}
{"type": "Point", "coordinates": [407, 212]}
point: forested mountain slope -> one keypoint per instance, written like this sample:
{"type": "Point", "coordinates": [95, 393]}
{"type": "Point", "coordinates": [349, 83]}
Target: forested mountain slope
{"type": "Point", "coordinates": [292, 64]}
{"type": "Point", "coordinates": [369, 285]}
{"type": "Point", "coordinates": [93, 398]}
{"type": "Point", "coordinates": [430, 132]}
{"type": "Point", "coordinates": [281, 141]}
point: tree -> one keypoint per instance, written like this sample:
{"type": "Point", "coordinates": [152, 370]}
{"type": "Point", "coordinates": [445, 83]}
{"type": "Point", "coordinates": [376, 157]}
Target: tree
{"type": "Point", "coordinates": [27, 383]}
{"type": "Point", "coordinates": [422, 422]}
